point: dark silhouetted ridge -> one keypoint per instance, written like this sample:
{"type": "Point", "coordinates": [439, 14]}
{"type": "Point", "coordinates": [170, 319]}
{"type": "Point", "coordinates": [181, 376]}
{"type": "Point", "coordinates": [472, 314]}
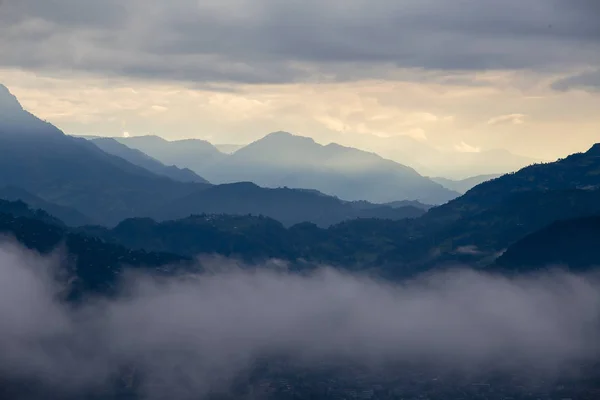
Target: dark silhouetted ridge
{"type": "Point", "coordinates": [93, 265]}
{"type": "Point", "coordinates": [69, 216]}
{"type": "Point", "coordinates": [577, 171]}
{"type": "Point", "coordinates": [594, 150]}
{"type": "Point", "coordinates": [289, 206]}
{"type": "Point", "coordinates": [569, 243]}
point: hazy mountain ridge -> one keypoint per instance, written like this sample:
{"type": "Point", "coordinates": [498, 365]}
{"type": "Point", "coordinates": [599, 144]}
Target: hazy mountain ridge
{"type": "Point", "coordinates": [194, 154]}
{"type": "Point", "coordinates": [281, 159]}
{"type": "Point", "coordinates": [228, 148]}
{"type": "Point", "coordinates": [464, 185]}
{"type": "Point", "coordinates": [137, 157]}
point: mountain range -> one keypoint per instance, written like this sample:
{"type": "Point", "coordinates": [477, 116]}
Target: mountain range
{"type": "Point", "coordinates": [517, 223]}
{"type": "Point", "coordinates": [72, 178]}
{"type": "Point", "coordinates": [73, 172]}
{"type": "Point", "coordinates": [293, 166]}
{"type": "Point", "coordinates": [62, 171]}
{"type": "Point", "coordinates": [281, 159]}
{"type": "Point", "coordinates": [473, 229]}
{"type": "Point", "coordinates": [116, 147]}
{"type": "Point", "coordinates": [195, 154]}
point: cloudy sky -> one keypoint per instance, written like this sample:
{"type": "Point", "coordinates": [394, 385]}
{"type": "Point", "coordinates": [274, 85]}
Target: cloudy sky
{"type": "Point", "coordinates": [462, 75]}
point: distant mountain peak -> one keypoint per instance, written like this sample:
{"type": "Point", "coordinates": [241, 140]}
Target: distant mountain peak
{"type": "Point", "coordinates": [193, 140]}
{"type": "Point", "coordinates": [281, 142]}
{"type": "Point", "coordinates": [287, 137]}
{"type": "Point", "coordinates": [8, 102]}
{"type": "Point", "coordinates": [338, 146]}
{"type": "Point", "coordinates": [280, 134]}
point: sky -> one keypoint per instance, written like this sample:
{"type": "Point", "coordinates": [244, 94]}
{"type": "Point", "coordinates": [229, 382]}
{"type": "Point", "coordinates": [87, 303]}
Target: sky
{"type": "Point", "coordinates": [461, 76]}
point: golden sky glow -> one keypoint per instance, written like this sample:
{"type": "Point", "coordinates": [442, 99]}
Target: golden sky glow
{"type": "Point", "coordinates": [515, 111]}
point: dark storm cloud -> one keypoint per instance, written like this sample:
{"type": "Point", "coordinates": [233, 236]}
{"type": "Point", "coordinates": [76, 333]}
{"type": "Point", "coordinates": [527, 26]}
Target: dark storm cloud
{"type": "Point", "coordinates": [257, 41]}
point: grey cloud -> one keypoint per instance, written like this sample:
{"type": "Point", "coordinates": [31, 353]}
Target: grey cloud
{"type": "Point", "coordinates": [194, 334]}
{"type": "Point", "coordinates": [586, 81]}
{"type": "Point", "coordinates": [272, 41]}
{"type": "Point", "coordinates": [86, 14]}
